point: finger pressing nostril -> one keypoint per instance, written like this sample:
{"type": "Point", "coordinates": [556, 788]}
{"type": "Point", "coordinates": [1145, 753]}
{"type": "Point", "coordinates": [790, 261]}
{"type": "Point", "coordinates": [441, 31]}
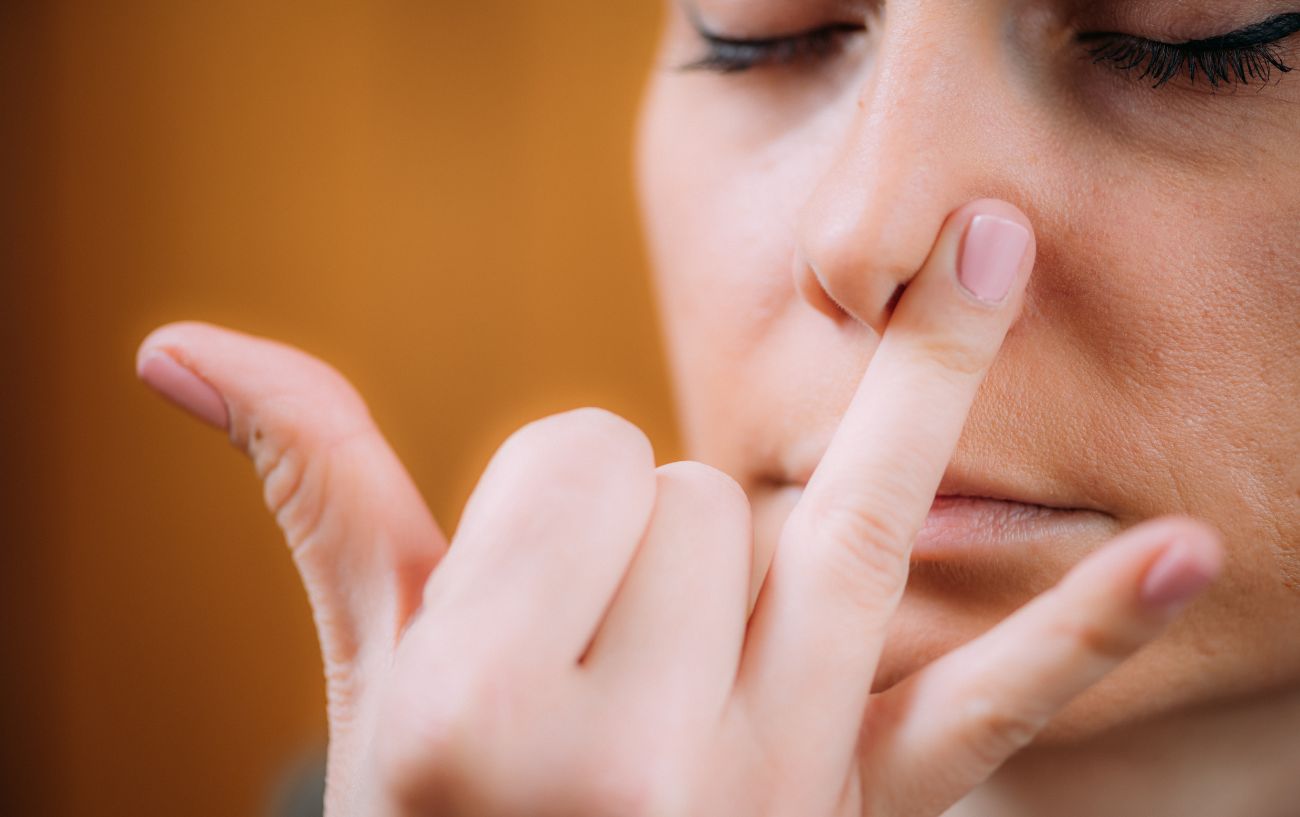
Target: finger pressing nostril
{"type": "Point", "coordinates": [991, 255]}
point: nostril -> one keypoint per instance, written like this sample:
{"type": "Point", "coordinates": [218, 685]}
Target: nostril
{"type": "Point", "coordinates": [893, 300]}
{"type": "Point", "coordinates": [809, 285]}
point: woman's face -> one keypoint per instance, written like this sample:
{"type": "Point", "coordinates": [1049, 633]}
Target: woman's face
{"type": "Point", "coordinates": [1156, 366]}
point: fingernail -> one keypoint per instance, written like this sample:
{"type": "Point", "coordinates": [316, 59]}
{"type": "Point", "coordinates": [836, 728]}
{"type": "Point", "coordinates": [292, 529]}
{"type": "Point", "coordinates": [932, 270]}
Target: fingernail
{"type": "Point", "coordinates": [162, 373]}
{"type": "Point", "coordinates": [1178, 576]}
{"type": "Point", "coordinates": [991, 256]}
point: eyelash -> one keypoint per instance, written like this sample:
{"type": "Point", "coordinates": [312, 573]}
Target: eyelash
{"type": "Point", "coordinates": [729, 55]}
{"type": "Point", "coordinates": [1239, 58]}
{"type": "Point", "coordinates": [1242, 57]}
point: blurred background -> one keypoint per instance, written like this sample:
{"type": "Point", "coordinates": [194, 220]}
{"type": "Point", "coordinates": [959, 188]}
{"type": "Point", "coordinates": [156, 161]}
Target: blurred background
{"type": "Point", "coordinates": [433, 196]}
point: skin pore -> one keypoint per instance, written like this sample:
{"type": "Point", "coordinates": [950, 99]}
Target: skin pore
{"type": "Point", "coordinates": [1155, 368]}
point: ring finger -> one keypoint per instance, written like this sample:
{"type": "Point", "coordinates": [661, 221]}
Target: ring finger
{"type": "Point", "coordinates": [674, 630]}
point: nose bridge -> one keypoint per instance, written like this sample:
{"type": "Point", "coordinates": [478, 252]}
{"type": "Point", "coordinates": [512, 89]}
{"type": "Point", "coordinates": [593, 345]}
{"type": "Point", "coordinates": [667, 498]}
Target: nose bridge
{"type": "Point", "coordinates": [911, 154]}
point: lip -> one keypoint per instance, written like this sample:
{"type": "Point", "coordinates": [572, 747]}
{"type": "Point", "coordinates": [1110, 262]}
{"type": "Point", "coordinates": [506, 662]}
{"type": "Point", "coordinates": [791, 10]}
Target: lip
{"type": "Point", "coordinates": [959, 526]}
{"type": "Point", "coordinates": [962, 481]}
{"type": "Point", "coordinates": [979, 512]}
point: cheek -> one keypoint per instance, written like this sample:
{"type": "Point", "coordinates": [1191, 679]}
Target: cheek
{"type": "Point", "coordinates": [720, 221]}
{"type": "Point", "coordinates": [1186, 325]}
{"type": "Point", "coordinates": [1182, 324]}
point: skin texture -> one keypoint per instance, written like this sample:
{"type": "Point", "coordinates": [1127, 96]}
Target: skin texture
{"type": "Point", "coordinates": [720, 640]}
{"type": "Point", "coordinates": [1156, 368]}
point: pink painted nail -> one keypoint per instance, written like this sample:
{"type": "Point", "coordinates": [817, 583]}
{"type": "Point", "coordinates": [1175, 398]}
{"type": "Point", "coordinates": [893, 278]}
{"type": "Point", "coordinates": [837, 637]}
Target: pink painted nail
{"type": "Point", "coordinates": [991, 256]}
{"type": "Point", "coordinates": [1177, 576]}
{"type": "Point", "coordinates": [161, 372]}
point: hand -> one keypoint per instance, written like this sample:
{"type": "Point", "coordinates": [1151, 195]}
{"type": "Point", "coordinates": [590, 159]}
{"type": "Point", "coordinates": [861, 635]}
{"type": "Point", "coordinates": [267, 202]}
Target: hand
{"type": "Point", "coordinates": [586, 647]}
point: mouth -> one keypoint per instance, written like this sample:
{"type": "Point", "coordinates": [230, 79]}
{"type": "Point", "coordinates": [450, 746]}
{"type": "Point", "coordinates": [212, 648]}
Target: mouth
{"type": "Point", "coordinates": [975, 517]}
{"type": "Point", "coordinates": [960, 525]}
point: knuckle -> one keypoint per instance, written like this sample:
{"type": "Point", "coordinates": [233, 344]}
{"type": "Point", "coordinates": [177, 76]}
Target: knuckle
{"type": "Point", "coordinates": [1100, 639]}
{"type": "Point", "coordinates": [294, 435]}
{"type": "Point", "coordinates": [855, 519]}
{"type": "Point", "coordinates": [299, 478]}
{"type": "Point", "coordinates": [706, 486]}
{"type": "Point", "coordinates": [864, 545]}
{"type": "Point", "coordinates": [598, 427]}
{"type": "Point", "coordinates": [589, 437]}
{"type": "Point", "coordinates": [957, 353]}
{"type": "Point", "coordinates": [993, 729]}
{"type": "Point", "coordinates": [280, 464]}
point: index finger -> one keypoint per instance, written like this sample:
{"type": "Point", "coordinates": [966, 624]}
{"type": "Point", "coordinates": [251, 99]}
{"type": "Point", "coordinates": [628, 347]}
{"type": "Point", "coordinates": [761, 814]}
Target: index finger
{"type": "Point", "coordinates": [841, 561]}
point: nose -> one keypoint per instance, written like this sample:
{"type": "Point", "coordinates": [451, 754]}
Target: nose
{"type": "Point", "coordinates": [932, 131]}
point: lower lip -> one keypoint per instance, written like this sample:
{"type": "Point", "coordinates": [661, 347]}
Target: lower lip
{"type": "Point", "coordinates": [962, 528]}
{"type": "Point", "coordinates": [958, 525]}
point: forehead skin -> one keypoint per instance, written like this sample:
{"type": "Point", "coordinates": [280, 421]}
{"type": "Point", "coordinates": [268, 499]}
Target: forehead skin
{"type": "Point", "coordinates": [1156, 368]}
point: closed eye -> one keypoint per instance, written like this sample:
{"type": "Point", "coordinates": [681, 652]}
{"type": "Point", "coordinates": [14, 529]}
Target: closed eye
{"type": "Point", "coordinates": [1251, 54]}
{"type": "Point", "coordinates": [730, 55]}
{"type": "Point", "coordinates": [1242, 57]}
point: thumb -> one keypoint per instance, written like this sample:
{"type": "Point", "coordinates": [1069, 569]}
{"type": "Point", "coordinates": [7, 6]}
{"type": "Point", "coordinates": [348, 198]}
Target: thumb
{"type": "Point", "coordinates": [360, 533]}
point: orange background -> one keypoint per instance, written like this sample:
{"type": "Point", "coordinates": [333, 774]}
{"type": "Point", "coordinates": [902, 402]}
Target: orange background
{"type": "Point", "coordinates": [433, 196]}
